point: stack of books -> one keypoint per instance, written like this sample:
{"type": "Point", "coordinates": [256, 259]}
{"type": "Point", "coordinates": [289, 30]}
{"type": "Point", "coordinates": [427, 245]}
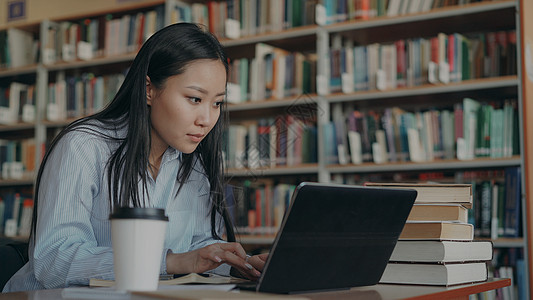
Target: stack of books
{"type": "Point", "coordinates": [436, 246]}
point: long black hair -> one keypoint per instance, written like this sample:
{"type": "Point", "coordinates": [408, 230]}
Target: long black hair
{"type": "Point", "coordinates": [166, 53]}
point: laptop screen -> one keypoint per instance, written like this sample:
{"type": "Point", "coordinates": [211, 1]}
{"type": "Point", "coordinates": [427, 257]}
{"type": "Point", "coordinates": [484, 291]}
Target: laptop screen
{"type": "Point", "coordinates": [335, 236]}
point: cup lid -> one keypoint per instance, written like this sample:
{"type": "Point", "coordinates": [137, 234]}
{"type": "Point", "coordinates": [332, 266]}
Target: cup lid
{"type": "Point", "coordinates": [150, 213]}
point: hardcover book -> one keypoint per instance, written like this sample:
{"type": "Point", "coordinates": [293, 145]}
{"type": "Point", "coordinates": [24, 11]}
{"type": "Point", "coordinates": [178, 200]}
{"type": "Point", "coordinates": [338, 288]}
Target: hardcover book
{"type": "Point", "coordinates": [431, 193]}
{"type": "Point", "coordinates": [435, 274]}
{"type": "Point", "coordinates": [442, 251]}
{"type": "Point", "coordinates": [421, 230]}
{"type": "Point", "coordinates": [439, 212]}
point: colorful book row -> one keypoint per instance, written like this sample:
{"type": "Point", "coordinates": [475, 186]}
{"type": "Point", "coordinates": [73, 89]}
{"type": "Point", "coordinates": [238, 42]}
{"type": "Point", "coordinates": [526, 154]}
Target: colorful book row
{"type": "Point", "coordinates": [468, 130]}
{"type": "Point", "coordinates": [17, 158]}
{"type": "Point", "coordinates": [17, 103]}
{"type": "Point", "coordinates": [265, 143]}
{"type": "Point", "coordinates": [273, 73]}
{"type": "Point", "coordinates": [106, 35]}
{"type": "Point", "coordinates": [18, 48]}
{"type": "Point", "coordinates": [239, 18]}
{"type": "Point", "coordinates": [16, 211]}
{"type": "Point", "coordinates": [76, 97]}
{"type": "Point", "coordinates": [413, 62]}
{"type": "Point", "coordinates": [258, 207]}
{"type": "Point", "coordinates": [334, 11]}
{"type": "Point", "coordinates": [497, 206]}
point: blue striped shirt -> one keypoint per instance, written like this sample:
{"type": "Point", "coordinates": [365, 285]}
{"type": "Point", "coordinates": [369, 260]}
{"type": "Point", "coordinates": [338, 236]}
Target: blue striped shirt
{"type": "Point", "coordinates": [73, 241]}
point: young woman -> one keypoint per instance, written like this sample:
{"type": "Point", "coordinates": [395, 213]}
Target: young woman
{"type": "Point", "coordinates": [157, 144]}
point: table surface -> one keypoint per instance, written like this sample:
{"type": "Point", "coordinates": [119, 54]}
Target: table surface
{"type": "Point", "coordinates": [380, 291]}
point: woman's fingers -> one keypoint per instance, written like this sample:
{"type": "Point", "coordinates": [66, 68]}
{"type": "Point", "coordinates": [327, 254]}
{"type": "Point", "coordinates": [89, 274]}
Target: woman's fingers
{"type": "Point", "coordinates": [235, 248]}
{"type": "Point", "coordinates": [258, 261]}
{"type": "Point", "coordinates": [234, 255]}
{"type": "Point", "coordinates": [242, 265]}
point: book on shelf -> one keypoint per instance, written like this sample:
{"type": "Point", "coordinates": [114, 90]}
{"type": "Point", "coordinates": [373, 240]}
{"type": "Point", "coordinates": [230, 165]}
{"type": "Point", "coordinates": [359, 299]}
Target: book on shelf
{"type": "Point", "coordinates": [420, 136]}
{"type": "Point", "coordinates": [235, 19]}
{"type": "Point", "coordinates": [493, 191]}
{"type": "Point", "coordinates": [16, 211]}
{"type": "Point", "coordinates": [442, 251]}
{"type": "Point", "coordinates": [521, 271]}
{"type": "Point", "coordinates": [466, 146]}
{"type": "Point", "coordinates": [513, 203]}
{"type": "Point", "coordinates": [341, 136]}
{"type": "Point", "coordinates": [104, 35]}
{"type": "Point", "coordinates": [19, 48]}
{"type": "Point", "coordinates": [435, 274]}
{"type": "Point", "coordinates": [437, 230]}
{"type": "Point", "coordinates": [509, 263]}
{"type": "Point", "coordinates": [268, 142]}
{"type": "Point", "coordinates": [341, 11]}
{"type": "Point", "coordinates": [27, 106]}
{"type": "Point", "coordinates": [443, 58]}
{"type": "Point", "coordinates": [17, 158]}
{"type": "Point", "coordinates": [439, 211]}
{"type": "Point", "coordinates": [259, 207]}
{"type": "Point", "coordinates": [17, 103]}
{"type": "Point", "coordinates": [77, 96]}
{"type": "Point", "coordinates": [275, 73]}
{"type": "Point", "coordinates": [435, 193]}
{"type": "Point", "coordinates": [11, 99]}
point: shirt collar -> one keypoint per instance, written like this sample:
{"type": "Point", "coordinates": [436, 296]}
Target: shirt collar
{"type": "Point", "coordinates": [171, 154]}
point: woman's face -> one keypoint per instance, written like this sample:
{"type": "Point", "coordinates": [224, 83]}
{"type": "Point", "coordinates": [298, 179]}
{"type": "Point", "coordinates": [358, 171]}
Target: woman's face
{"type": "Point", "coordinates": [187, 107]}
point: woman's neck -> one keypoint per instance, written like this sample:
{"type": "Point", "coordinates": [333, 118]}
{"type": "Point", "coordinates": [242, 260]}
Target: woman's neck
{"type": "Point", "coordinates": [154, 160]}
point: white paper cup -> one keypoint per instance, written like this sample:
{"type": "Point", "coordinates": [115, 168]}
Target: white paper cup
{"type": "Point", "coordinates": [137, 236]}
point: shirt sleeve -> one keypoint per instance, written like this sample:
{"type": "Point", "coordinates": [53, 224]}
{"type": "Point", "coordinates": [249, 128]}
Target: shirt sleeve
{"type": "Point", "coordinates": [202, 236]}
{"type": "Point", "coordinates": [66, 249]}
{"type": "Point", "coordinates": [202, 207]}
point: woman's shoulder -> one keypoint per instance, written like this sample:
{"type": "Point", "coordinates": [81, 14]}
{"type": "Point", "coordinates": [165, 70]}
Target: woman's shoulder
{"type": "Point", "coordinates": [92, 134]}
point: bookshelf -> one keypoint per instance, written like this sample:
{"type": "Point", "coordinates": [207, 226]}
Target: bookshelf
{"type": "Point", "coordinates": [526, 92]}
{"type": "Point", "coordinates": [317, 41]}
{"type": "Point", "coordinates": [474, 17]}
{"type": "Point", "coordinates": [40, 74]}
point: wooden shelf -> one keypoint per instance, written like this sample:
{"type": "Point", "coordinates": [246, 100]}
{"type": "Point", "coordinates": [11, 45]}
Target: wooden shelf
{"type": "Point", "coordinates": [16, 182]}
{"type": "Point", "coordinates": [61, 123]}
{"type": "Point", "coordinates": [485, 84]}
{"type": "Point", "coordinates": [305, 99]}
{"type": "Point", "coordinates": [17, 127]}
{"type": "Point", "coordinates": [292, 33]}
{"type": "Point", "coordinates": [509, 243]}
{"type": "Point", "coordinates": [478, 163]}
{"type": "Point", "coordinates": [98, 61]}
{"type": "Point", "coordinates": [32, 26]}
{"type": "Point", "coordinates": [281, 170]}
{"type": "Point", "coordinates": [25, 70]}
{"type": "Point", "coordinates": [301, 38]}
{"type": "Point", "coordinates": [480, 16]}
{"type": "Point", "coordinates": [505, 85]}
{"type": "Point", "coordinates": [17, 238]}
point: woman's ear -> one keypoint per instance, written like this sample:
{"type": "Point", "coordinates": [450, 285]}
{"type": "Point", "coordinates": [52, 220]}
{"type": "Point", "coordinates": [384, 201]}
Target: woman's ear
{"type": "Point", "coordinates": [149, 91]}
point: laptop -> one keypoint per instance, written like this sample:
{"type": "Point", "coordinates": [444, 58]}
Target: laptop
{"type": "Point", "coordinates": [334, 237]}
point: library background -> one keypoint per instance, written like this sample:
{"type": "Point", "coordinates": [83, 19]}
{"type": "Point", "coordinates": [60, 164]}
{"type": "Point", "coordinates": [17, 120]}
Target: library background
{"type": "Point", "coordinates": [325, 90]}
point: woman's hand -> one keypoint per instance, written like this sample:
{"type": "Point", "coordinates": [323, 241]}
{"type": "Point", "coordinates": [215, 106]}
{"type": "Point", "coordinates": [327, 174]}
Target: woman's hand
{"type": "Point", "coordinates": [212, 256]}
{"type": "Point", "coordinates": [258, 261]}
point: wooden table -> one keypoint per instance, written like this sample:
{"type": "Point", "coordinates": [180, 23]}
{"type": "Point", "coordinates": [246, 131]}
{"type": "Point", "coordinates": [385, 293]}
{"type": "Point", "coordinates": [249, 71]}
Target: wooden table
{"type": "Point", "coordinates": [414, 292]}
{"type": "Point", "coordinates": [375, 292]}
